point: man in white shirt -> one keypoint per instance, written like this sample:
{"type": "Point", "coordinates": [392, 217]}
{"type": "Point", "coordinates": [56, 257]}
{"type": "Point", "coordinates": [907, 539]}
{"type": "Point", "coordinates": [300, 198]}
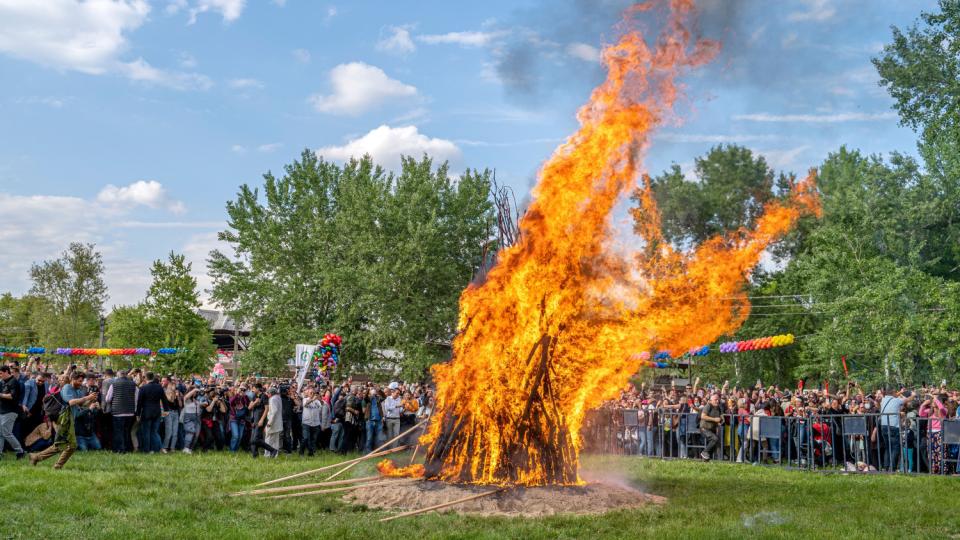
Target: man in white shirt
{"type": "Point", "coordinates": [392, 408]}
{"type": "Point", "coordinates": [889, 422]}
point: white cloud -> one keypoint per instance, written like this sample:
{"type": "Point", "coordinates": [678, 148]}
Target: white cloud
{"type": "Point", "coordinates": [148, 193]}
{"type": "Point", "coordinates": [70, 34]}
{"type": "Point", "coordinates": [713, 139]}
{"type": "Point", "coordinates": [269, 147]}
{"type": "Point", "coordinates": [301, 55]}
{"type": "Point", "coordinates": [280, 3]}
{"type": "Point", "coordinates": [245, 84]}
{"type": "Point", "coordinates": [187, 61]}
{"type": "Point", "coordinates": [789, 40]}
{"type": "Point", "coordinates": [397, 42]}
{"type": "Point", "coordinates": [816, 11]}
{"type": "Point", "coordinates": [86, 36]}
{"type": "Point", "coordinates": [230, 10]}
{"type": "Point", "coordinates": [816, 118]}
{"type": "Point", "coordinates": [55, 221]}
{"type": "Point", "coordinates": [358, 87]}
{"type": "Point", "coordinates": [49, 101]}
{"type": "Point", "coordinates": [238, 149]}
{"type": "Point", "coordinates": [585, 52]}
{"type": "Point", "coordinates": [785, 159]}
{"type": "Point", "coordinates": [386, 144]}
{"type": "Point", "coordinates": [464, 39]}
{"type": "Point", "coordinates": [197, 250]}
{"type": "Point", "coordinates": [331, 13]}
{"type": "Point", "coordinates": [140, 70]}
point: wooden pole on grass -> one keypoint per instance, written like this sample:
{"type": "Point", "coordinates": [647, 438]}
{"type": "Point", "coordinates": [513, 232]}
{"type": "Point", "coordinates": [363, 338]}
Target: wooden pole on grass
{"type": "Point", "coordinates": [304, 486]}
{"type": "Point", "coordinates": [443, 505]}
{"type": "Point", "coordinates": [348, 488]}
{"type": "Point", "coordinates": [384, 445]}
{"type": "Point", "coordinates": [328, 467]}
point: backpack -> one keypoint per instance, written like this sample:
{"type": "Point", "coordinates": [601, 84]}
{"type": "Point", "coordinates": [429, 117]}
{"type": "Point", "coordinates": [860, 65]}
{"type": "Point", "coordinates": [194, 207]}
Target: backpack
{"type": "Point", "coordinates": [53, 405]}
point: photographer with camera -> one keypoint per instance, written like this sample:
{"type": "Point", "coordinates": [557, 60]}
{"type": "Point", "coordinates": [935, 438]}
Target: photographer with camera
{"type": "Point", "coordinates": [211, 415]}
{"type": "Point", "coordinates": [239, 404]}
{"type": "Point", "coordinates": [191, 418]}
{"type": "Point", "coordinates": [86, 427]}
{"type": "Point", "coordinates": [314, 410]}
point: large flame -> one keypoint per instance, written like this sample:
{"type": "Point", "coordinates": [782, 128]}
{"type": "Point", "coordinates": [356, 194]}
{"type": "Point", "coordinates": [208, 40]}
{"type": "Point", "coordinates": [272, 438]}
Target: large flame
{"type": "Point", "coordinates": [564, 280]}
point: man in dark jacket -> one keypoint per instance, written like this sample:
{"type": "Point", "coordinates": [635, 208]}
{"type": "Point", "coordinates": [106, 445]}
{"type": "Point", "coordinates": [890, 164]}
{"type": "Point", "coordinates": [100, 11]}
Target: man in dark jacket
{"type": "Point", "coordinates": [122, 397]}
{"type": "Point", "coordinates": [9, 409]}
{"type": "Point", "coordinates": [150, 401]}
{"type": "Point", "coordinates": [336, 425]}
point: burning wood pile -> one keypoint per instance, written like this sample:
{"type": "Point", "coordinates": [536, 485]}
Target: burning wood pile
{"type": "Point", "coordinates": [554, 328]}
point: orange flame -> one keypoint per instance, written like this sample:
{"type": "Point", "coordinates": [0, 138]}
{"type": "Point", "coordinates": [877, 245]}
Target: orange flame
{"type": "Point", "coordinates": [563, 280]}
{"type": "Point", "coordinates": [388, 468]}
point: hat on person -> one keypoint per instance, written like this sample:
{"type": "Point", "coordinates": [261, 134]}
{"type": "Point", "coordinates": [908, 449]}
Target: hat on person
{"type": "Point", "coordinates": [394, 385]}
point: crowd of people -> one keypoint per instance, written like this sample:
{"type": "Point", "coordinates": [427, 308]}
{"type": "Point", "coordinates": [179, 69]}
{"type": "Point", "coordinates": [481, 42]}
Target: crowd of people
{"type": "Point", "coordinates": [42, 414]}
{"type": "Point", "coordinates": [898, 429]}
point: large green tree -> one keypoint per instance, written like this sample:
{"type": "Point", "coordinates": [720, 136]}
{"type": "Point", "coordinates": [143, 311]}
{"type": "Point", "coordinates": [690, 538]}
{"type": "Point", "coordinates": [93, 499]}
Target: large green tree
{"type": "Point", "coordinates": [167, 318]}
{"type": "Point", "coordinates": [377, 257]}
{"type": "Point", "coordinates": [73, 291]}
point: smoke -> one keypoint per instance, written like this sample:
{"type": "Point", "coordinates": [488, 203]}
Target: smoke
{"type": "Point", "coordinates": [546, 51]}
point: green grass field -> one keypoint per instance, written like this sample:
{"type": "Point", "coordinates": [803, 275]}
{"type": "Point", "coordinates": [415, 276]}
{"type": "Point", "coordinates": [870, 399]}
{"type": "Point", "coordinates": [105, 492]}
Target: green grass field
{"type": "Point", "coordinates": [176, 496]}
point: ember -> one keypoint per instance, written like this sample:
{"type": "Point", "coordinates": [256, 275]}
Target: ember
{"type": "Point", "coordinates": [562, 309]}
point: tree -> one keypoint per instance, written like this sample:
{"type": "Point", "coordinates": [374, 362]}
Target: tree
{"type": "Point", "coordinates": [921, 70]}
{"type": "Point", "coordinates": [167, 318]}
{"type": "Point", "coordinates": [17, 316]}
{"type": "Point", "coordinates": [379, 258]}
{"type": "Point", "coordinates": [74, 293]}
{"type": "Point", "coordinates": [729, 192]}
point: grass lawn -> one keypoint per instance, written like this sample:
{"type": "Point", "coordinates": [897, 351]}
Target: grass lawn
{"type": "Point", "coordinates": [100, 495]}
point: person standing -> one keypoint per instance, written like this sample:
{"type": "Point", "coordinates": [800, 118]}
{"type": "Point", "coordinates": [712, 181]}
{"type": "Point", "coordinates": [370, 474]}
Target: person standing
{"type": "Point", "coordinates": [392, 409]}
{"type": "Point", "coordinates": [337, 422]}
{"type": "Point", "coordinates": [373, 412]}
{"type": "Point", "coordinates": [32, 402]}
{"type": "Point", "coordinates": [9, 409]}
{"type": "Point", "coordinates": [106, 421]}
{"type": "Point", "coordinates": [889, 424]}
{"type": "Point", "coordinates": [312, 409]}
{"type": "Point", "coordinates": [239, 407]}
{"type": "Point", "coordinates": [122, 398]}
{"type": "Point", "coordinates": [191, 418]}
{"type": "Point", "coordinates": [711, 417]}
{"type": "Point", "coordinates": [74, 397]}
{"type": "Point", "coordinates": [171, 418]}
{"type": "Point", "coordinates": [274, 420]}
{"type": "Point", "coordinates": [150, 403]}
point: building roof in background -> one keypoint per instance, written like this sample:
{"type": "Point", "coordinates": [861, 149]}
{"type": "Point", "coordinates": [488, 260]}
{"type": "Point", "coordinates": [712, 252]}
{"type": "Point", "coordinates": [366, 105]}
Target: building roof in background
{"type": "Point", "coordinates": [220, 322]}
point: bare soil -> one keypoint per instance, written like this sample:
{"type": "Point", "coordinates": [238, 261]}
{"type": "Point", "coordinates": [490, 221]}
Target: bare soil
{"type": "Point", "coordinates": [592, 498]}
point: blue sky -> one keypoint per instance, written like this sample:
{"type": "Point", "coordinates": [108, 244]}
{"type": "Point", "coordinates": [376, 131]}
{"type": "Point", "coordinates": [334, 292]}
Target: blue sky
{"type": "Point", "coordinates": [129, 123]}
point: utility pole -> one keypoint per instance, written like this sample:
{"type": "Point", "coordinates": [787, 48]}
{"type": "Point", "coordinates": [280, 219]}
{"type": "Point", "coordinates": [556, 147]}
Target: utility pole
{"type": "Point", "coordinates": [103, 322]}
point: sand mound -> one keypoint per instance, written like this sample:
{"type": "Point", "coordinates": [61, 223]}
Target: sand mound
{"type": "Point", "coordinates": [594, 498]}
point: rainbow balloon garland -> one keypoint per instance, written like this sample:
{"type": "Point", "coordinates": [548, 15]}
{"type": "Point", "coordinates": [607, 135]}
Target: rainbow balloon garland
{"type": "Point", "coordinates": [20, 352]}
{"type": "Point", "coordinates": [757, 344]}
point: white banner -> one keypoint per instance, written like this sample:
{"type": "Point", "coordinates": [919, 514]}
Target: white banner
{"type": "Point", "coordinates": [302, 360]}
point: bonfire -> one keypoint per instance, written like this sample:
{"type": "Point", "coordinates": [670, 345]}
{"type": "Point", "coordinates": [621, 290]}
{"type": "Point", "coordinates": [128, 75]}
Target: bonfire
{"type": "Point", "coordinates": [555, 327]}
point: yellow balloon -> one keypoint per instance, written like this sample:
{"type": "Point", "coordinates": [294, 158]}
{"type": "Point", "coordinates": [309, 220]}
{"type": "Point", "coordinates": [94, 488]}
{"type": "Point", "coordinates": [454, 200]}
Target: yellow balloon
{"type": "Point", "coordinates": [103, 352]}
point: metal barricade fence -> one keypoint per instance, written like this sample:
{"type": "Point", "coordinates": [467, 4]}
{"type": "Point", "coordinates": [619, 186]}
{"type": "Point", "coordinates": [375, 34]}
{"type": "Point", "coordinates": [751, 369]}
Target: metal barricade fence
{"type": "Point", "coordinates": [827, 442]}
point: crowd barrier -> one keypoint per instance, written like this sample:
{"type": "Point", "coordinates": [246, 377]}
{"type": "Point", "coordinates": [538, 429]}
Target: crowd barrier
{"type": "Point", "coordinates": [826, 442]}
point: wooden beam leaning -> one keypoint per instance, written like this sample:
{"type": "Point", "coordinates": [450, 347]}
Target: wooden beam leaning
{"type": "Point", "coordinates": [443, 505]}
{"type": "Point", "coordinates": [348, 488]}
{"type": "Point", "coordinates": [335, 465]}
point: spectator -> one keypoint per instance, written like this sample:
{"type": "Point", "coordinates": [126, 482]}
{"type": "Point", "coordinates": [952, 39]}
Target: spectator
{"type": "Point", "coordinates": [889, 421]}
{"type": "Point", "coordinates": [312, 419]}
{"type": "Point", "coordinates": [338, 421]}
{"type": "Point", "coordinates": [150, 405]}
{"type": "Point", "coordinates": [711, 418]}
{"type": "Point", "coordinates": [86, 427]}
{"type": "Point", "coordinates": [373, 412]}
{"type": "Point", "coordinates": [122, 397]}
{"type": "Point", "coordinates": [191, 418]}
{"type": "Point", "coordinates": [171, 415]}
{"type": "Point", "coordinates": [393, 407]}
{"type": "Point", "coordinates": [274, 420]}
{"type": "Point", "coordinates": [239, 405]}
{"type": "Point", "coordinates": [10, 399]}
